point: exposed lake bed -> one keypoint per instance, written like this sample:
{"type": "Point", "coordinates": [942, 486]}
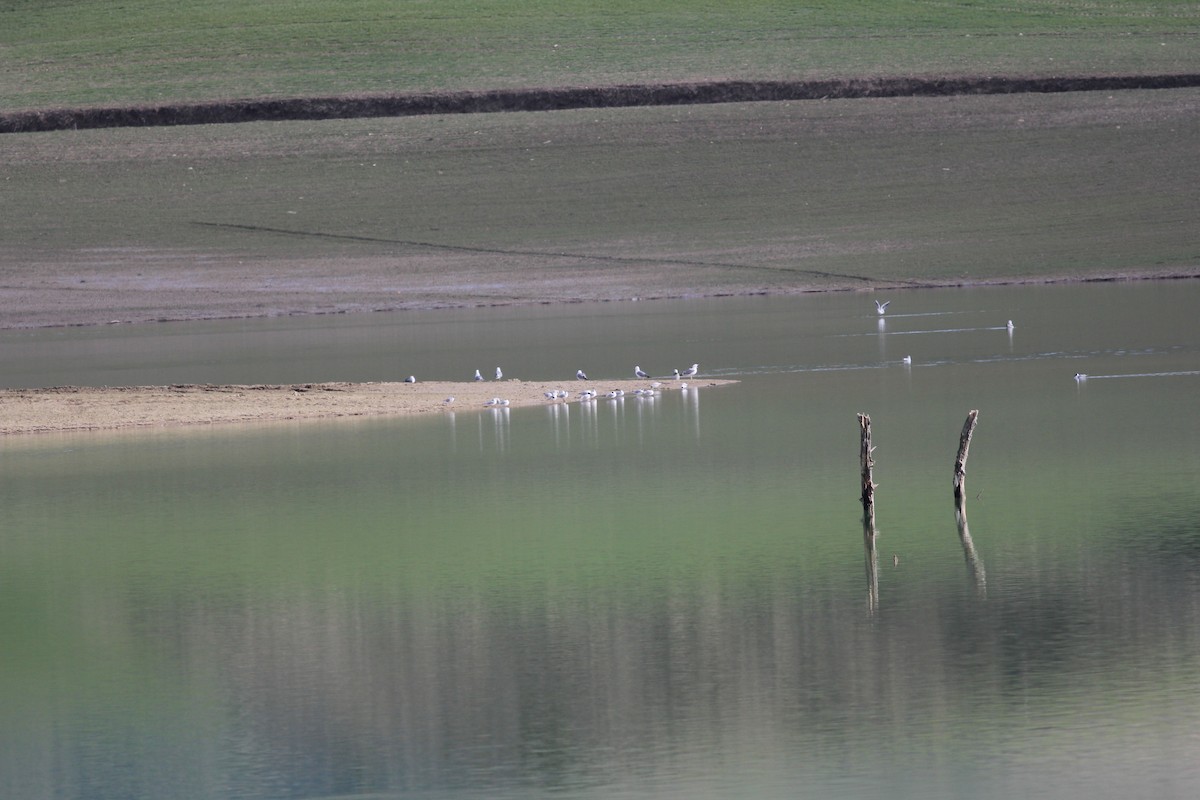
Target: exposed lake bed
{"type": "Point", "coordinates": [75, 408]}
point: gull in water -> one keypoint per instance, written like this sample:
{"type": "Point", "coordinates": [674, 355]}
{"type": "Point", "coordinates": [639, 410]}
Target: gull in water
{"type": "Point", "coordinates": [637, 372]}
{"type": "Point", "coordinates": [1010, 326]}
{"type": "Point", "coordinates": [1079, 376]}
{"type": "Point", "coordinates": [410, 379]}
{"type": "Point", "coordinates": [907, 359]}
{"type": "Point", "coordinates": [683, 386]}
{"type": "Point", "coordinates": [478, 377]}
{"type": "Point", "coordinates": [499, 374]}
{"type": "Point", "coordinates": [587, 394]}
{"type": "Point", "coordinates": [690, 371]}
{"type": "Point", "coordinates": [881, 307]}
{"type": "Point", "coordinates": [613, 395]}
{"type": "Point", "coordinates": [579, 375]}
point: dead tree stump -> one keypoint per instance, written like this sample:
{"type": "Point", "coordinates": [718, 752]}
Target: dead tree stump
{"type": "Point", "coordinates": [960, 462]}
{"type": "Point", "coordinates": [867, 459]}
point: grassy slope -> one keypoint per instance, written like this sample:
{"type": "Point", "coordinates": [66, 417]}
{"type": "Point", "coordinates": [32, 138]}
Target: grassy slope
{"type": "Point", "coordinates": [139, 51]}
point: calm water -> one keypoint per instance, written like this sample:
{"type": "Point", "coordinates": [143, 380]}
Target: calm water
{"type": "Point", "coordinates": [642, 599]}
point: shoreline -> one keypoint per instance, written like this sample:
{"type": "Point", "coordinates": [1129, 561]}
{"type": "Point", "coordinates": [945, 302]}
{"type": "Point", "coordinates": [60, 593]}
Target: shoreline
{"type": "Point", "coordinates": [65, 409]}
{"type": "Point", "coordinates": [317, 305]}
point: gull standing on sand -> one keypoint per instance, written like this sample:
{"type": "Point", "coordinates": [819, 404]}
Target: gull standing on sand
{"type": "Point", "coordinates": [410, 379]}
{"type": "Point", "coordinates": [580, 376]}
{"type": "Point", "coordinates": [690, 371]}
{"type": "Point", "coordinates": [499, 374]}
{"type": "Point", "coordinates": [881, 307]}
{"type": "Point", "coordinates": [478, 377]}
{"type": "Point", "coordinates": [637, 372]}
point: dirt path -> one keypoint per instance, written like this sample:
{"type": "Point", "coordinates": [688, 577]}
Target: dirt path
{"type": "Point", "coordinates": [75, 408]}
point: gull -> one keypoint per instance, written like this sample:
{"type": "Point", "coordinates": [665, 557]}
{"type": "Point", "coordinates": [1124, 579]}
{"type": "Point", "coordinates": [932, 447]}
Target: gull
{"type": "Point", "coordinates": [690, 371]}
{"type": "Point", "coordinates": [1010, 326]}
{"type": "Point", "coordinates": [410, 379]}
{"type": "Point", "coordinates": [495, 401]}
{"type": "Point", "coordinates": [580, 376]}
{"type": "Point", "coordinates": [478, 377]}
{"type": "Point", "coordinates": [504, 402]}
{"type": "Point", "coordinates": [499, 374]}
{"type": "Point", "coordinates": [637, 372]}
{"type": "Point", "coordinates": [683, 385]}
{"type": "Point", "coordinates": [448, 400]}
{"type": "Point", "coordinates": [613, 395]}
{"type": "Point", "coordinates": [656, 385]}
{"type": "Point", "coordinates": [675, 372]}
{"type": "Point", "coordinates": [587, 394]}
{"type": "Point", "coordinates": [881, 307]}
{"type": "Point", "coordinates": [1079, 376]}
{"type": "Point", "coordinates": [551, 395]}
{"type": "Point", "coordinates": [907, 359]}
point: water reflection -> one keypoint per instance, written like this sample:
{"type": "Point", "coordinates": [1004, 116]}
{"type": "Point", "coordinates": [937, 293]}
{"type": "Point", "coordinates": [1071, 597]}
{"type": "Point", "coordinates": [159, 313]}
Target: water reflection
{"type": "Point", "coordinates": [690, 397]}
{"type": "Point", "coordinates": [560, 420]}
{"type": "Point", "coordinates": [623, 603]}
{"type": "Point", "coordinates": [871, 560]}
{"type": "Point", "coordinates": [975, 570]}
{"type": "Point", "coordinates": [494, 424]}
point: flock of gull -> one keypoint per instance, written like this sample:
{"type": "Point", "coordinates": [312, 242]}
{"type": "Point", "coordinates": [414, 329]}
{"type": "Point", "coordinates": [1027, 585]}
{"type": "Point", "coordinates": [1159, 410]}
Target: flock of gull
{"type": "Point", "coordinates": [588, 394]}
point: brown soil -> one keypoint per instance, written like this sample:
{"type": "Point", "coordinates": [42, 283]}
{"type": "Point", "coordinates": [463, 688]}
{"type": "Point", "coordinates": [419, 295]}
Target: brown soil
{"type": "Point", "coordinates": [74, 408]}
{"type": "Point", "coordinates": [555, 99]}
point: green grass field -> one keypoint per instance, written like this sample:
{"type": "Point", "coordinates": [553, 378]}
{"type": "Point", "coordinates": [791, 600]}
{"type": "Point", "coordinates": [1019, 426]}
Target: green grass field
{"type": "Point", "coordinates": [153, 51]}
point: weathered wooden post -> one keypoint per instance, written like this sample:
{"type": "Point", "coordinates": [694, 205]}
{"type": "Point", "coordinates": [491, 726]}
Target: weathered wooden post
{"type": "Point", "coordinates": [867, 459]}
{"type": "Point", "coordinates": [871, 558]}
{"type": "Point", "coordinates": [960, 463]}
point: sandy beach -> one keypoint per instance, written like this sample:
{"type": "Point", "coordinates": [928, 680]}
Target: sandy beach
{"type": "Point", "coordinates": [74, 408]}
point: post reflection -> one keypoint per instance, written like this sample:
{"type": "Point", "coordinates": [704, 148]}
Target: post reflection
{"type": "Point", "coordinates": [974, 564]}
{"type": "Point", "coordinates": [871, 562]}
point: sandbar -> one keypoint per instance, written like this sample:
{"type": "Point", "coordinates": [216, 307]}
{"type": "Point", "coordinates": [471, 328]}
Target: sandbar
{"type": "Point", "coordinates": [83, 408]}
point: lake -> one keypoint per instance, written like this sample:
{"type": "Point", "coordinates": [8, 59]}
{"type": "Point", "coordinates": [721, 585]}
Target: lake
{"type": "Point", "coordinates": [664, 598]}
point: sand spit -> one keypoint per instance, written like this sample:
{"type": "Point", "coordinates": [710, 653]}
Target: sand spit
{"type": "Point", "coordinates": [75, 408]}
